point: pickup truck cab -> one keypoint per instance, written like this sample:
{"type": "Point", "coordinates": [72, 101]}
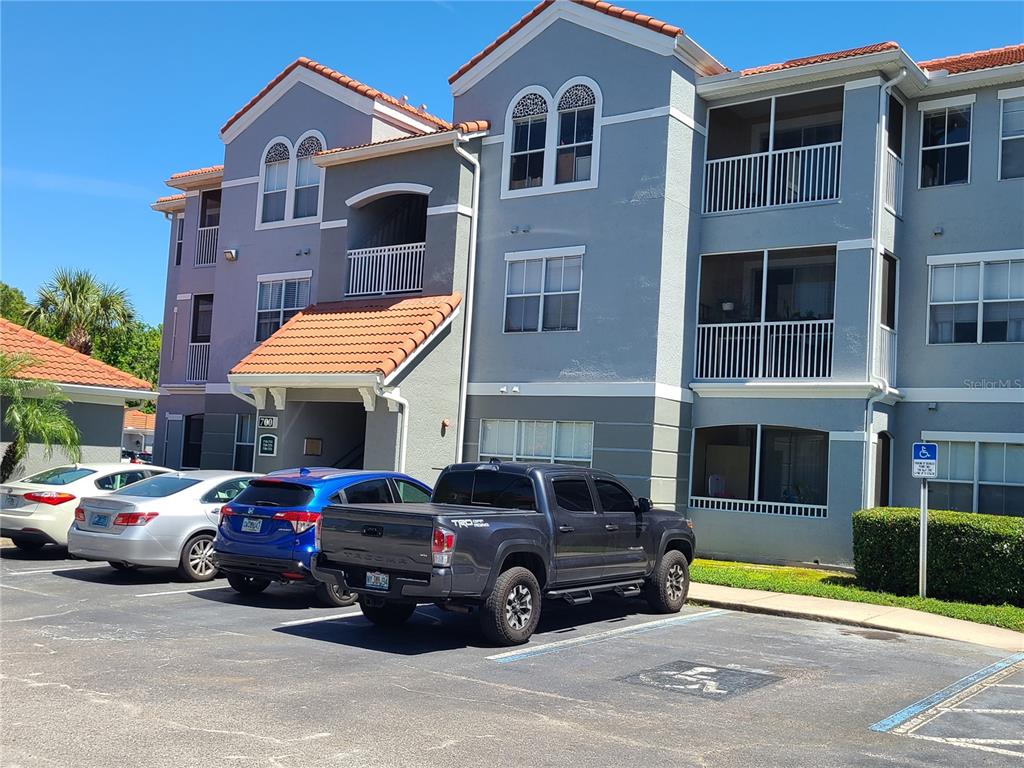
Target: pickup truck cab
{"type": "Point", "coordinates": [498, 538]}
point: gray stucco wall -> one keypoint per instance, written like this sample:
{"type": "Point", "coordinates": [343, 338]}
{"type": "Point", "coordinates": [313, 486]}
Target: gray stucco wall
{"type": "Point", "coordinates": [341, 426]}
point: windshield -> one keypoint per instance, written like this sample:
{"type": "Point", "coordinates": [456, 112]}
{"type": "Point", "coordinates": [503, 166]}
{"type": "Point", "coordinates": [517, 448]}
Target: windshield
{"type": "Point", "coordinates": [157, 487]}
{"type": "Point", "coordinates": [59, 475]}
{"type": "Point", "coordinates": [272, 493]}
{"type": "Point", "coordinates": [485, 488]}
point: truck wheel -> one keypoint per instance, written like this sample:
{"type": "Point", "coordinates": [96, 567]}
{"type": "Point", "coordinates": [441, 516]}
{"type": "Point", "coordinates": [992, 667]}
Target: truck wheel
{"type": "Point", "coordinates": [512, 610]}
{"type": "Point", "coordinates": [247, 585]}
{"type": "Point", "coordinates": [388, 614]}
{"type": "Point", "coordinates": [666, 588]}
{"type": "Point", "coordinates": [333, 596]}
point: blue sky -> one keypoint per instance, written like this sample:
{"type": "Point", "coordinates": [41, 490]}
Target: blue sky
{"type": "Point", "coordinates": [102, 101]}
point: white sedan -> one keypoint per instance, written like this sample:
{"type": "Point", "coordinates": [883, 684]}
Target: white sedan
{"type": "Point", "coordinates": [168, 521]}
{"type": "Point", "coordinates": [39, 509]}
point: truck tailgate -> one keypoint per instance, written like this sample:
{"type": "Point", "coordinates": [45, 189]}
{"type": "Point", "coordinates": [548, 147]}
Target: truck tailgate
{"type": "Point", "coordinates": [391, 537]}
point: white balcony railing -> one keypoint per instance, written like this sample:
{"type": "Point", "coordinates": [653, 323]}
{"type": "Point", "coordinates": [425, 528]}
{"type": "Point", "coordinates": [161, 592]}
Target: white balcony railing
{"type": "Point", "coordinates": [386, 269]}
{"type": "Point", "coordinates": [759, 507]}
{"type": "Point", "coordinates": [206, 246]}
{"type": "Point", "coordinates": [800, 349]}
{"type": "Point", "coordinates": [885, 355]}
{"type": "Point", "coordinates": [766, 179]}
{"type": "Point", "coordinates": [893, 182]}
{"type": "Point", "coordinates": [198, 367]}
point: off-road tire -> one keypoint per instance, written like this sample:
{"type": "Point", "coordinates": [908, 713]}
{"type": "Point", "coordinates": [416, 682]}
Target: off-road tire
{"type": "Point", "coordinates": [512, 610]}
{"type": "Point", "coordinates": [333, 596]}
{"type": "Point", "coordinates": [247, 585]}
{"type": "Point", "coordinates": [388, 615]}
{"type": "Point", "coordinates": [667, 587]}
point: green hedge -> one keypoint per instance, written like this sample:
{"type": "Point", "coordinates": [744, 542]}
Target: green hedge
{"type": "Point", "coordinates": [974, 558]}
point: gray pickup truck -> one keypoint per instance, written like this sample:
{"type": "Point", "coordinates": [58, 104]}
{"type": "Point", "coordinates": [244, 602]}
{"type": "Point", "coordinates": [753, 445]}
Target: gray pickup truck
{"type": "Point", "coordinates": [498, 537]}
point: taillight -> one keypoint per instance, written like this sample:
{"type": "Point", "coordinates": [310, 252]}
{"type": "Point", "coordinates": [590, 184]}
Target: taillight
{"type": "Point", "coordinates": [442, 547]}
{"type": "Point", "coordinates": [225, 512]}
{"type": "Point", "coordinates": [134, 518]}
{"type": "Point", "coordinates": [301, 521]}
{"type": "Point", "coordinates": [79, 515]}
{"type": "Point", "coordinates": [319, 532]}
{"type": "Point", "coordinates": [49, 497]}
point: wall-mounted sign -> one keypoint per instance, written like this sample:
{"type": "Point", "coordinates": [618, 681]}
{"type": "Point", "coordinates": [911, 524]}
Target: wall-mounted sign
{"type": "Point", "coordinates": [268, 445]}
{"type": "Point", "coordinates": [268, 422]}
{"type": "Point", "coordinates": [312, 446]}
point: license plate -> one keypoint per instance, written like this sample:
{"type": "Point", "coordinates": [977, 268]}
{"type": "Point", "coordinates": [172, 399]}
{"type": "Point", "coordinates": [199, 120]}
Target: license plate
{"type": "Point", "coordinates": [101, 521]}
{"type": "Point", "coordinates": [376, 580]}
{"type": "Point", "coordinates": [252, 525]}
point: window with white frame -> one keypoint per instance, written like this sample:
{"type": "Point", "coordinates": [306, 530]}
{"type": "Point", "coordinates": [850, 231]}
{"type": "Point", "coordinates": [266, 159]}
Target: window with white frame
{"type": "Point", "coordinates": [979, 476]}
{"type": "Point", "coordinates": [946, 146]}
{"type": "Point", "coordinates": [564, 442]}
{"type": "Point", "coordinates": [1011, 139]}
{"type": "Point", "coordinates": [976, 303]}
{"type": "Point", "coordinates": [529, 134]}
{"type": "Point", "coordinates": [307, 178]}
{"type": "Point", "coordinates": [575, 134]}
{"type": "Point", "coordinates": [543, 294]}
{"type": "Point", "coordinates": [278, 301]}
{"type": "Point", "coordinates": [275, 183]}
{"type": "Point", "coordinates": [245, 441]}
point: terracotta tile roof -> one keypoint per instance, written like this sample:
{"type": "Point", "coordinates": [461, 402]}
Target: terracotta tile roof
{"type": "Point", "coordinates": [170, 198]}
{"type": "Point", "coordinates": [471, 126]}
{"type": "Point", "coordinates": [822, 57]}
{"type": "Point", "coordinates": [136, 419]}
{"type": "Point", "coordinates": [197, 172]}
{"type": "Point", "coordinates": [606, 8]}
{"type": "Point", "coordinates": [56, 362]}
{"type": "Point", "coordinates": [345, 80]}
{"type": "Point", "coordinates": [969, 62]}
{"type": "Point", "coordinates": [369, 336]}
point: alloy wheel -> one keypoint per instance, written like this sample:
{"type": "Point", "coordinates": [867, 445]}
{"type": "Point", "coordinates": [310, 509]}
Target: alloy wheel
{"type": "Point", "coordinates": [518, 607]}
{"type": "Point", "coordinates": [675, 582]}
{"type": "Point", "coordinates": [200, 557]}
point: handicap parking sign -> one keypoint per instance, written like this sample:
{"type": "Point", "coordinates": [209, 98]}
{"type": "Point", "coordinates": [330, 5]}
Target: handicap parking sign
{"type": "Point", "coordinates": [925, 460]}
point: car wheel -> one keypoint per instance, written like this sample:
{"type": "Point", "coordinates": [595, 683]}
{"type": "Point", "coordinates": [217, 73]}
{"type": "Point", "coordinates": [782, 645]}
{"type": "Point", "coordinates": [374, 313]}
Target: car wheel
{"type": "Point", "coordinates": [27, 545]}
{"type": "Point", "coordinates": [388, 614]}
{"type": "Point", "coordinates": [247, 585]}
{"type": "Point", "coordinates": [119, 566]}
{"type": "Point", "coordinates": [333, 596]}
{"type": "Point", "coordinates": [197, 558]}
{"type": "Point", "coordinates": [512, 610]}
{"type": "Point", "coordinates": [667, 587]}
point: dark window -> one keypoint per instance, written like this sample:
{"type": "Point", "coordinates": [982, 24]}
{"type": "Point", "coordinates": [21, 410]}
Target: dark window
{"type": "Point", "coordinates": [202, 318]}
{"type": "Point", "coordinates": [157, 487]}
{"type": "Point", "coordinates": [272, 493]}
{"type": "Point", "coordinates": [179, 239]}
{"type": "Point", "coordinates": [889, 291]}
{"type": "Point", "coordinates": [956, 496]}
{"type": "Point", "coordinates": [454, 488]}
{"type": "Point", "coordinates": [945, 146]}
{"type": "Point", "coordinates": [411, 493]}
{"type": "Point", "coordinates": [225, 492]}
{"type": "Point", "coordinates": [1003, 321]}
{"type": "Point", "coordinates": [527, 160]}
{"type": "Point", "coordinates": [119, 480]}
{"type": "Point", "coordinates": [883, 456]}
{"type": "Point", "coordinates": [486, 488]}
{"type": "Point", "coordinates": [895, 126]}
{"type": "Point", "coordinates": [192, 449]}
{"type": "Point", "coordinates": [369, 492]}
{"type": "Point", "coordinates": [209, 209]}
{"type": "Point", "coordinates": [573, 494]}
{"type": "Point", "coordinates": [614, 498]}
{"type": "Point", "coordinates": [794, 466]}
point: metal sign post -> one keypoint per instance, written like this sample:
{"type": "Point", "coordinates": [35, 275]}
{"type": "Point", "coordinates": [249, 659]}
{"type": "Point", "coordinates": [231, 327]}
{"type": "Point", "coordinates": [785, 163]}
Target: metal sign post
{"type": "Point", "coordinates": [925, 465]}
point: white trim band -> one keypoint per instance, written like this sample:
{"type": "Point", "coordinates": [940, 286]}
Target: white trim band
{"type": "Point", "coordinates": [853, 437]}
{"type": "Point", "coordinates": [979, 394]}
{"type": "Point", "coordinates": [980, 437]}
{"type": "Point", "coordinates": [1010, 93]}
{"type": "Point", "coordinates": [866, 82]}
{"type": "Point", "coordinates": [952, 101]}
{"type": "Point", "coordinates": [298, 274]}
{"type": "Point", "coordinates": [541, 253]}
{"type": "Point", "coordinates": [649, 389]}
{"type": "Point", "coordinates": [977, 256]}
{"type": "Point", "coordinates": [856, 245]}
{"type": "Point", "coordinates": [437, 210]}
{"type": "Point", "coordinates": [335, 224]}
{"type": "Point", "coordinates": [383, 190]}
{"type": "Point", "coordinates": [240, 182]}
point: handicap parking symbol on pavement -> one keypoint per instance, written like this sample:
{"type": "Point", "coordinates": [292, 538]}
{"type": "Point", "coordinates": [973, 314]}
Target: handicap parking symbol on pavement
{"type": "Point", "coordinates": [701, 679]}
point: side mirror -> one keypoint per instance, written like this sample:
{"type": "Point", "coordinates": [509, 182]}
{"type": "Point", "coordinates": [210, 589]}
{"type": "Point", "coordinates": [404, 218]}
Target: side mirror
{"type": "Point", "coordinates": [643, 506]}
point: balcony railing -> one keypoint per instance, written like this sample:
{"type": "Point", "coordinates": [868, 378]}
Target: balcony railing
{"type": "Point", "coordinates": [386, 269]}
{"type": "Point", "coordinates": [885, 355]}
{"type": "Point", "coordinates": [800, 349]}
{"type": "Point", "coordinates": [198, 367]}
{"type": "Point", "coordinates": [767, 179]}
{"type": "Point", "coordinates": [758, 507]}
{"type": "Point", "coordinates": [206, 246]}
{"type": "Point", "coordinates": [893, 182]}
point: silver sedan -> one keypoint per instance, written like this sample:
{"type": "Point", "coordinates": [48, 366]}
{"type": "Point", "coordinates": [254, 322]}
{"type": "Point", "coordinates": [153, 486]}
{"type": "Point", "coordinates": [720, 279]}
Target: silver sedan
{"type": "Point", "coordinates": [169, 520]}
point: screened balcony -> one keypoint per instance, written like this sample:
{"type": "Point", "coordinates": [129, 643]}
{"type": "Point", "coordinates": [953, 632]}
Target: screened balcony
{"type": "Point", "coordinates": [779, 328]}
{"type": "Point", "coordinates": [785, 150]}
{"type": "Point", "coordinates": [388, 242]}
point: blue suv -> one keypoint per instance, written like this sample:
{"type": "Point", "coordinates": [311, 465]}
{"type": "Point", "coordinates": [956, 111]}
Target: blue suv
{"type": "Point", "coordinates": [267, 533]}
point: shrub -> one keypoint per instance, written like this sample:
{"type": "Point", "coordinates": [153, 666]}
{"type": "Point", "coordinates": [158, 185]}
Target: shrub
{"type": "Point", "coordinates": [971, 557]}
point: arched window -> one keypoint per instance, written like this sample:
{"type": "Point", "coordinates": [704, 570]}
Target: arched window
{"type": "Point", "coordinates": [576, 110]}
{"type": "Point", "coordinates": [307, 178]}
{"type": "Point", "coordinates": [275, 182]}
{"type": "Point", "coordinates": [529, 129]}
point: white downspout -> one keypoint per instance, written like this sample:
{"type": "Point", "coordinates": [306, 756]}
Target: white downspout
{"type": "Point", "coordinates": [395, 397]}
{"type": "Point", "coordinates": [467, 328]}
{"type": "Point", "coordinates": [876, 236]}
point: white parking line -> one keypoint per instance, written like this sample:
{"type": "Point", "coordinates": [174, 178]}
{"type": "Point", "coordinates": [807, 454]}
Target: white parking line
{"type": "Point", "coordinates": [53, 570]}
{"type": "Point", "coordinates": [347, 614]}
{"type": "Point", "coordinates": [180, 591]}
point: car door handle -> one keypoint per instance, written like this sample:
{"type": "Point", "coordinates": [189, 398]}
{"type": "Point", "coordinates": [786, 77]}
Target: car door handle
{"type": "Point", "coordinates": [611, 527]}
{"type": "Point", "coordinates": [566, 529]}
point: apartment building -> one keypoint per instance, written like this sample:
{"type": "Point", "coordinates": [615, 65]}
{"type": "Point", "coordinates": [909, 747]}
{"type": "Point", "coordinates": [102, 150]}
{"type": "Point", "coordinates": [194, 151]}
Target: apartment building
{"type": "Point", "coordinates": [744, 292]}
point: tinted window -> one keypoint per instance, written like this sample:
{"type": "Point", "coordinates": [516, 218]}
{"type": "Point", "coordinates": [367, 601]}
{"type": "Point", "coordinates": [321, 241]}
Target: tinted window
{"type": "Point", "coordinates": [614, 498]}
{"type": "Point", "coordinates": [271, 493]}
{"type": "Point", "coordinates": [454, 488]}
{"type": "Point", "coordinates": [58, 476]}
{"type": "Point", "coordinates": [410, 493]}
{"type": "Point", "coordinates": [369, 492]}
{"type": "Point", "coordinates": [225, 492]}
{"type": "Point", "coordinates": [573, 494]}
{"type": "Point", "coordinates": [157, 487]}
{"type": "Point", "coordinates": [119, 480]}
{"type": "Point", "coordinates": [486, 488]}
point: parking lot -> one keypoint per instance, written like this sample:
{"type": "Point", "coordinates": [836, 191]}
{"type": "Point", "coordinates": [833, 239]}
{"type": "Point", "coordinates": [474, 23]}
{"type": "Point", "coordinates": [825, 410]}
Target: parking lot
{"type": "Point", "coordinates": [104, 668]}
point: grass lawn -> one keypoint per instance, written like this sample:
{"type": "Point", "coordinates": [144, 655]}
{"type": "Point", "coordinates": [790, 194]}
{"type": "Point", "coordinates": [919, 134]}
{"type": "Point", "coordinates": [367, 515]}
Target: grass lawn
{"type": "Point", "coordinates": [843, 586]}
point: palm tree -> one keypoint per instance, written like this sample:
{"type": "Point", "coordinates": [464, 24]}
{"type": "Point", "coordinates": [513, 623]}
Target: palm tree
{"type": "Point", "coordinates": [33, 412]}
{"type": "Point", "coordinates": [74, 306]}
